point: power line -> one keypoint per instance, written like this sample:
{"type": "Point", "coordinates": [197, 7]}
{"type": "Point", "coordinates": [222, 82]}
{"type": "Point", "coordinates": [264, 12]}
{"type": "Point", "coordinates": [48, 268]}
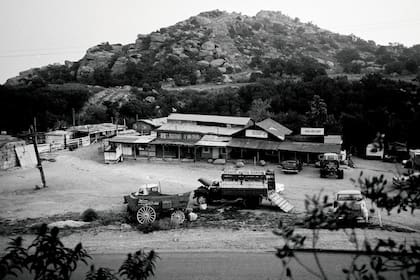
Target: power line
{"type": "Point", "coordinates": [37, 54]}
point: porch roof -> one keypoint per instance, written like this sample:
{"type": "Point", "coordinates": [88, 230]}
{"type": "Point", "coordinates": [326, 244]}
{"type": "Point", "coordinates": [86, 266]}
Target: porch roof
{"type": "Point", "coordinates": [309, 147]}
{"type": "Point", "coordinates": [213, 141]}
{"type": "Point", "coordinates": [132, 139]}
{"type": "Point", "coordinates": [173, 142]}
{"type": "Point", "coordinates": [256, 144]}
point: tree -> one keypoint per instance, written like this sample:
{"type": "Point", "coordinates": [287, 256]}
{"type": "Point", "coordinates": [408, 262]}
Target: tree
{"type": "Point", "coordinates": [317, 115]}
{"type": "Point", "coordinates": [260, 110]}
{"type": "Point", "coordinates": [383, 257]}
{"type": "Point", "coordinates": [347, 55]}
{"type": "Point", "coordinates": [48, 259]}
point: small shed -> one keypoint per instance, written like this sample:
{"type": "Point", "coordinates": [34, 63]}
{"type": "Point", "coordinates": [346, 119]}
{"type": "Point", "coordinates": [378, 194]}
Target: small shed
{"type": "Point", "coordinates": [133, 146]}
{"type": "Point", "coordinates": [58, 137]}
{"type": "Point", "coordinates": [8, 157]}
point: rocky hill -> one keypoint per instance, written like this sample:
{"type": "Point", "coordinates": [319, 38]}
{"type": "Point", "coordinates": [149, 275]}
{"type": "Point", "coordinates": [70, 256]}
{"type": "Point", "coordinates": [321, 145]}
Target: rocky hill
{"type": "Point", "coordinates": [225, 47]}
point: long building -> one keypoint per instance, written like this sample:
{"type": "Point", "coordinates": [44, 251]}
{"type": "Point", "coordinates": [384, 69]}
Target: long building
{"type": "Point", "coordinates": [202, 137]}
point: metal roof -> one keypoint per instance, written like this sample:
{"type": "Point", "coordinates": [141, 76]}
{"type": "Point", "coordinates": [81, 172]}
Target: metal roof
{"type": "Point", "coordinates": [256, 144]}
{"type": "Point", "coordinates": [132, 139]}
{"type": "Point", "coordinates": [155, 122]}
{"type": "Point", "coordinates": [242, 121]}
{"type": "Point", "coordinates": [309, 147]}
{"type": "Point", "coordinates": [274, 128]}
{"type": "Point", "coordinates": [213, 141]}
{"type": "Point", "coordinates": [58, 132]}
{"type": "Point", "coordinates": [201, 129]}
{"type": "Point", "coordinates": [100, 127]}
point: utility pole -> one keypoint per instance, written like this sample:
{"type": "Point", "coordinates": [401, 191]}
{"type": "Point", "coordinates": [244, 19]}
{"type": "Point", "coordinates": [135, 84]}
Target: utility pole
{"type": "Point", "coordinates": [39, 165]}
{"type": "Point", "coordinates": [74, 116]}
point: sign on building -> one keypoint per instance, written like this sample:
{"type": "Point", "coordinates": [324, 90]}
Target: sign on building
{"type": "Point", "coordinates": [312, 131]}
{"type": "Point", "coordinates": [256, 133]}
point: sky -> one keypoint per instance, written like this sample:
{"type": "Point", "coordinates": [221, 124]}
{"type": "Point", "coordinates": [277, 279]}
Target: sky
{"type": "Point", "coordinates": [36, 33]}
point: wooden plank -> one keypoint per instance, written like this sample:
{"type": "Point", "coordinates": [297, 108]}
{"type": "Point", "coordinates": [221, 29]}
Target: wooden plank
{"type": "Point", "coordinates": [281, 202]}
{"type": "Point", "coordinates": [26, 156]}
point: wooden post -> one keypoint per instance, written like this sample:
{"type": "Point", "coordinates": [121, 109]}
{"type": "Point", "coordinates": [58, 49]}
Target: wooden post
{"type": "Point", "coordinates": [258, 155]}
{"type": "Point", "coordinates": [74, 116]}
{"type": "Point", "coordinates": [135, 151]}
{"type": "Point", "coordinates": [278, 156]}
{"type": "Point", "coordinates": [307, 158]}
{"type": "Point", "coordinates": [179, 152]}
{"type": "Point", "coordinates": [195, 153]}
{"type": "Point", "coordinates": [39, 165]}
{"type": "Point", "coordinates": [163, 152]}
{"type": "Point", "coordinates": [242, 153]}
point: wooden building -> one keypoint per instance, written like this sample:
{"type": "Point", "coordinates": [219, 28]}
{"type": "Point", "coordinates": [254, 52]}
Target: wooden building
{"type": "Point", "coordinates": [147, 126]}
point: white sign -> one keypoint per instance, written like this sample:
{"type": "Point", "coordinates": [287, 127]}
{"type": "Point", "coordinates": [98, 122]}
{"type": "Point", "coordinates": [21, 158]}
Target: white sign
{"type": "Point", "coordinates": [256, 133]}
{"type": "Point", "coordinates": [311, 131]}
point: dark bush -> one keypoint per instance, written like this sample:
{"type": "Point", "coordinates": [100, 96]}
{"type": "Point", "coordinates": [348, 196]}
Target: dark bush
{"type": "Point", "coordinates": [89, 215]}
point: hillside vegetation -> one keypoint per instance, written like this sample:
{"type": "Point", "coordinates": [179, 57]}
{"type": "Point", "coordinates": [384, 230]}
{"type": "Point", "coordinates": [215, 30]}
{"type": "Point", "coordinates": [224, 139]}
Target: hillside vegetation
{"type": "Point", "coordinates": [268, 65]}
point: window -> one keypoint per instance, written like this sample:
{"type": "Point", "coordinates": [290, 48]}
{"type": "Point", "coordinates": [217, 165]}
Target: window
{"type": "Point", "coordinates": [206, 150]}
{"type": "Point", "coordinates": [223, 150]}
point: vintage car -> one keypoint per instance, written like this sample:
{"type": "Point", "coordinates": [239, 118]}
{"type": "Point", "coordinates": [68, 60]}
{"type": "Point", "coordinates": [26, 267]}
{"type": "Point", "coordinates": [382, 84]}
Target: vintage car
{"type": "Point", "coordinates": [330, 166]}
{"type": "Point", "coordinates": [350, 206]}
{"type": "Point", "coordinates": [148, 204]}
{"type": "Point", "coordinates": [291, 166]}
{"type": "Point", "coordinates": [404, 180]}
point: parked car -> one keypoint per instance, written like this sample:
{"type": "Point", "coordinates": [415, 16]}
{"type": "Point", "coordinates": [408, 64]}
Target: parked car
{"type": "Point", "coordinates": [291, 166]}
{"type": "Point", "coordinates": [330, 166]}
{"type": "Point", "coordinates": [404, 180]}
{"type": "Point", "coordinates": [350, 206]}
{"type": "Point", "coordinates": [148, 204]}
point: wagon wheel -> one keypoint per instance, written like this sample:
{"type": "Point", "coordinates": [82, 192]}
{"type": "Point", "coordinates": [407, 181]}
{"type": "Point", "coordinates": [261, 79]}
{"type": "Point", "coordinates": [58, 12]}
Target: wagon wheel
{"type": "Point", "coordinates": [178, 217]}
{"type": "Point", "coordinates": [146, 215]}
{"type": "Point", "coordinates": [201, 200]}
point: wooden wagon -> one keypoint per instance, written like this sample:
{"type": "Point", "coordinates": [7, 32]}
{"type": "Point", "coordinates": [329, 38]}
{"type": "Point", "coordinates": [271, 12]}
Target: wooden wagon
{"type": "Point", "coordinates": [149, 204]}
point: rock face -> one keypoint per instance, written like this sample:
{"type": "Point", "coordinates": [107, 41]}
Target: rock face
{"type": "Point", "coordinates": [230, 42]}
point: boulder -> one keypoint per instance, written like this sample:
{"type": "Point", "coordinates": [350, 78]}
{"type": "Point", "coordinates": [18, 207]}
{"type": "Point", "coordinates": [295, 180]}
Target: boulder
{"type": "Point", "coordinates": [203, 63]}
{"type": "Point", "coordinates": [217, 62]}
{"type": "Point", "coordinates": [85, 73]}
{"type": "Point", "coordinates": [208, 46]}
{"type": "Point", "coordinates": [119, 67]}
{"type": "Point", "coordinates": [222, 70]}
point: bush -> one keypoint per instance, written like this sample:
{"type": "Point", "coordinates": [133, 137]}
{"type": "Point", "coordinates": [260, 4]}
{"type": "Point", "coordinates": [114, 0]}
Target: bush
{"type": "Point", "coordinates": [89, 215]}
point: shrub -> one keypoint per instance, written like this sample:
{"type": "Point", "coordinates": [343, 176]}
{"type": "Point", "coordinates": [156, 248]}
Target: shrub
{"type": "Point", "coordinates": [89, 215]}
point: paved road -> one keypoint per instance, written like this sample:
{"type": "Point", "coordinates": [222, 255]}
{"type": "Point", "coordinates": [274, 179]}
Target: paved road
{"type": "Point", "coordinates": [226, 265]}
{"type": "Point", "coordinates": [229, 265]}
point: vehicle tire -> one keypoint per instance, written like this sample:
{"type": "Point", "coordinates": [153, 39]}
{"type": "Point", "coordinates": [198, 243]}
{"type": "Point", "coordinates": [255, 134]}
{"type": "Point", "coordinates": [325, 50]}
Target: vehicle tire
{"type": "Point", "coordinates": [177, 217]}
{"type": "Point", "coordinates": [252, 202]}
{"type": "Point", "coordinates": [146, 215]}
{"type": "Point", "coordinates": [201, 200]}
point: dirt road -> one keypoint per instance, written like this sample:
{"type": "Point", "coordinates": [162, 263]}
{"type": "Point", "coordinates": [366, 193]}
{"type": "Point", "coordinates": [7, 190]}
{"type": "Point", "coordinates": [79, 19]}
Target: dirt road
{"type": "Point", "coordinates": [79, 180]}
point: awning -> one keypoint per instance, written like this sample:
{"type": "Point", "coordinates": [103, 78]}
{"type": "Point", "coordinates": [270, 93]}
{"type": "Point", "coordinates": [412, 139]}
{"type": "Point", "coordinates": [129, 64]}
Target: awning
{"type": "Point", "coordinates": [308, 147]}
{"type": "Point", "coordinates": [129, 139]}
{"type": "Point", "coordinates": [172, 142]}
{"type": "Point", "coordinates": [256, 144]}
{"type": "Point", "coordinates": [213, 141]}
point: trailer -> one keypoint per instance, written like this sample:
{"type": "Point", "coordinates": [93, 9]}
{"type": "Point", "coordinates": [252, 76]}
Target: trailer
{"type": "Point", "coordinates": [249, 185]}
